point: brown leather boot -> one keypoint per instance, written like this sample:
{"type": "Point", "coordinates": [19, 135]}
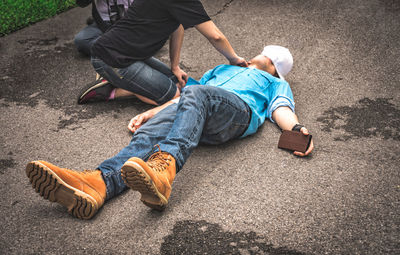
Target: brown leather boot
{"type": "Point", "coordinates": [83, 193]}
{"type": "Point", "coordinates": [153, 179]}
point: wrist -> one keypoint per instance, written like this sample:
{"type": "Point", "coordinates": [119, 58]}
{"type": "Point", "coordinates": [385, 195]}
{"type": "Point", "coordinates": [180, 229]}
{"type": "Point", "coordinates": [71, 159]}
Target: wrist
{"type": "Point", "coordinates": [297, 127]}
{"type": "Point", "coordinates": [175, 68]}
{"type": "Point", "coordinates": [233, 58]}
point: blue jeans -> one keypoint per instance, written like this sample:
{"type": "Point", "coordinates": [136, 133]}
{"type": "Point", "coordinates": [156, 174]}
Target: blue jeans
{"type": "Point", "coordinates": [204, 114]}
{"type": "Point", "coordinates": [150, 78]}
{"type": "Point", "coordinates": [86, 37]}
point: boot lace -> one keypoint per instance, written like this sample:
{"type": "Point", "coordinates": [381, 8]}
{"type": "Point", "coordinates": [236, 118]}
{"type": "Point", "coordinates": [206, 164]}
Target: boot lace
{"type": "Point", "coordinates": [159, 161]}
{"type": "Point", "coordinates": [88, 171]}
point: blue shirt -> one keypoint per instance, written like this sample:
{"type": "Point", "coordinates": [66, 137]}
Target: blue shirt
{"type": "Point", "coordinates": [260, 90]}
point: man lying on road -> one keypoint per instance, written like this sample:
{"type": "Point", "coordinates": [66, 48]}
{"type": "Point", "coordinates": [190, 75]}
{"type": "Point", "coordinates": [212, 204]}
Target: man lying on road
{"type": "Point", "coordinates": [228, 102]}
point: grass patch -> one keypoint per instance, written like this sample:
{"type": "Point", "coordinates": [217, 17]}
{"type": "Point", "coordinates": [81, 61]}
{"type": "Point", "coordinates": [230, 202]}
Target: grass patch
{"type": "Point", "coordinates": [16, 14]}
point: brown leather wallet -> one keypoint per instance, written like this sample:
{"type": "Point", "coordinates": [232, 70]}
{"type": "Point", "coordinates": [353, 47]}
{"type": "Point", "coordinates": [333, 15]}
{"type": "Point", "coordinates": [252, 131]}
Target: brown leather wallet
{"type": "Point", "coordinates": [294, 141]}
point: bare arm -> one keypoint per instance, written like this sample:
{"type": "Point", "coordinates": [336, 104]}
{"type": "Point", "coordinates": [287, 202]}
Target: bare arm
{"type": "Point", "coordinates": [175, 45]}
{"type": "Point", "coordinates": [220, 42]}
{"type": "Point", "coordinates": [137, 121]}
{"type": "Point", "coordinates": [286, 119]}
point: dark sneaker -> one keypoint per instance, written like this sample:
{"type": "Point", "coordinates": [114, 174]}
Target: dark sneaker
{"type": "Point", "coordinates": [99, 90]}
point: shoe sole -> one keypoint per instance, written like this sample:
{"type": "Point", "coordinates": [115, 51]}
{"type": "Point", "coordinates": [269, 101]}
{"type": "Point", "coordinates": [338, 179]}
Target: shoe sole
{"type": "Point", "coordinates": [88, 89]}
{"type": "Point", "coordinates": [137, 179]}
{"type": "Point", "coordinates": [51, 187]}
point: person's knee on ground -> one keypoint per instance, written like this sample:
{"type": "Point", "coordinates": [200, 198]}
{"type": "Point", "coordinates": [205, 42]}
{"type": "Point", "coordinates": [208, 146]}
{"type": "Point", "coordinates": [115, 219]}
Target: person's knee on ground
{"type": "Point", "coordinates": [82, 43]}
{"type": "Point", "coordinates": [86, 37]}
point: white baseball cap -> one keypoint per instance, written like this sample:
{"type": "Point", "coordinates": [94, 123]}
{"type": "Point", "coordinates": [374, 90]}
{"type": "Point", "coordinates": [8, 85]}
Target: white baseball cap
{"type": "Point", "coordinates": [280, 57]}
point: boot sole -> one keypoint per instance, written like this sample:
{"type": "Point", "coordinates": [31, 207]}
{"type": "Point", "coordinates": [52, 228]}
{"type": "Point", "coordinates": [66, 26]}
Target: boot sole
{"type": "Point", "coordinates": [51, 187]}
{"type": "Point", "coordinates": [89, 88]}
{"type": "Point", "coordinates": [137, 179]}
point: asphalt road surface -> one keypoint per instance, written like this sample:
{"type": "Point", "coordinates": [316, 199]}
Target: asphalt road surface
{"type": "Point", "coordinates": [244, 197]}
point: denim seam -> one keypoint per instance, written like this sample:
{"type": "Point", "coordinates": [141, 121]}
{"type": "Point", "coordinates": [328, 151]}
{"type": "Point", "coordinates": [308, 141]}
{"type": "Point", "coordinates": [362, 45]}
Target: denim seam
{"type": "Point", "coordinates": [227, 102]}
{"type": "Point", "coordinates": [109, 190]}
{"type": "Point", "coordinates": [123, 71]}
{"type": "Point", "coordinates": [98, 68]}
{"type": "Point", "coordinates": [186, 145]}
{"type": "Point", "coordinates": [137, 85]}
{"type": "Point", "coordinates": [167, 93]}
{"type": "Point", "coordinates": [120, 76]}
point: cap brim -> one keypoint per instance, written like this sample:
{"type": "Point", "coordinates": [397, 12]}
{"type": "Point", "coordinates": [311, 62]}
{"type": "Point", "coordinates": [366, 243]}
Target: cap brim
{"type": "Point", "coordinates": [276, 69]}
{"type": "Point", "coordinates": [279, 74]}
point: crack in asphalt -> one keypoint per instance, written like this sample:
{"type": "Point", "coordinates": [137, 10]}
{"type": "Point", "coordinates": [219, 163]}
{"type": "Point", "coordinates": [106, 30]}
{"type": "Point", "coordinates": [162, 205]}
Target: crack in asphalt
{"type": "Point", "coordinates": [223, 9]}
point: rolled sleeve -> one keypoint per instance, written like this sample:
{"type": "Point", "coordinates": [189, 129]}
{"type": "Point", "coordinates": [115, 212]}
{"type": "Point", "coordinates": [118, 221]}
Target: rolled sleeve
{"type": "Point", "coordinates": [279, 101]}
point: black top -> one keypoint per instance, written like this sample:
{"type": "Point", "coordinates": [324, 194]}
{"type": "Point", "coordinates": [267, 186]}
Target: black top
{"type": "Point", "coordinates": [145, 28]}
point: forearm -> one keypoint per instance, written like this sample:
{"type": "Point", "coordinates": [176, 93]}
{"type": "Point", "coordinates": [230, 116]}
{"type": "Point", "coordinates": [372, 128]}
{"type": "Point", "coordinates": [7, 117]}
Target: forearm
{"type": "Point", "coordinates": [175, 45]}
{"type": "Point", "coordinates": [140, 119]}
{"type": "Point", "coordinates": [285, 118]}
{"type": "Point", "coordinates": [217, 39]}
{"type": "Point", "coordinates": [224, 47]}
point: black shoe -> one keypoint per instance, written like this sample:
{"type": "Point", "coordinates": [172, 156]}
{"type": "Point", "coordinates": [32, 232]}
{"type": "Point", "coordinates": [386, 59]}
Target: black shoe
{"type": "Point", "coordinates": [99, 90]}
